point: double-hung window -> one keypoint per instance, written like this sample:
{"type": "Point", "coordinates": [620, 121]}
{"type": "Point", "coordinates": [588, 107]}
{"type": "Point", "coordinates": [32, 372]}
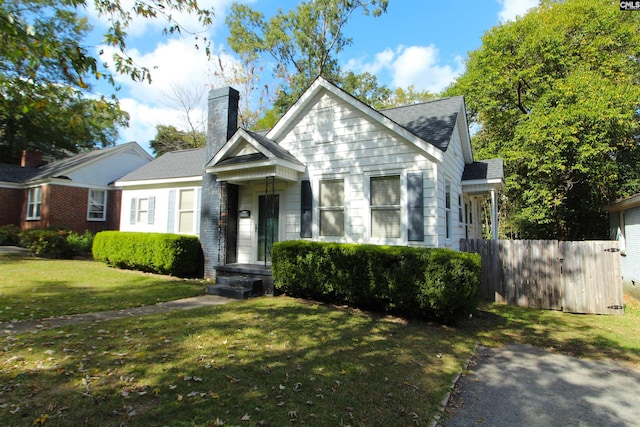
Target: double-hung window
{"type": "Point", "coordinates": [34, 202]}
{"type": "Point", "coordinates": [332, 208]}
{"type": "Point", "coordinates": [143, 211]}
{"type": "Point", "coordinates": [97, 210]}
{"type": "Point", "coordinates": [385, 207]}
{"type": "Point", "coordinates": [186, 211]}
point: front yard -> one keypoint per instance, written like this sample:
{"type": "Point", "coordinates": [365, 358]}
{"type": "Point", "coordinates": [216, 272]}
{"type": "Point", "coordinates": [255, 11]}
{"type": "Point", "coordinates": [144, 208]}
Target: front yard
{"type": "Point", "coordinates": [266, 361]}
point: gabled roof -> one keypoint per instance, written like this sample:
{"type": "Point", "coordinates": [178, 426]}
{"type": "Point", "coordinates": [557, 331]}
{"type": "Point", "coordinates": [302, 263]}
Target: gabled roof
{"type": "Point", "coordinates": [61, 168]}
{"type": "Point", "coordinates": [262, 148]}
{"type": "Point", "coordinates": [426, 146]}
{"type": "Point", "coordinates": [432, 121]}
{"type": "Point", "coordinates": [174, 164]}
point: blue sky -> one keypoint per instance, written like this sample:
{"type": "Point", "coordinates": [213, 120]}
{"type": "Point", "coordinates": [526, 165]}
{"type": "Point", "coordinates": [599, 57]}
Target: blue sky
{"type": "Point", "coordinates": [422, 43]}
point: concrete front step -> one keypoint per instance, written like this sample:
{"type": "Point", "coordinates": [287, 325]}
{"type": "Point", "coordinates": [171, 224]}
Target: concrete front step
{"type": "Point", "coordinates": [236, 287]}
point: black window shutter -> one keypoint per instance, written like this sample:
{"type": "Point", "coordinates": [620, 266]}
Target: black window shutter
{"type": "Point", "coordinates": [306, 205]}
{"type": "Point", "coordinates": [415, 207]}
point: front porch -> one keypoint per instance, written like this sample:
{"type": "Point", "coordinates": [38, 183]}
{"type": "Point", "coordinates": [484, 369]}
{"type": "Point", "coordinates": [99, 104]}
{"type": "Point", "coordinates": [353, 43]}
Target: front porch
{"type": "Point", "coordinates": [241, 281]}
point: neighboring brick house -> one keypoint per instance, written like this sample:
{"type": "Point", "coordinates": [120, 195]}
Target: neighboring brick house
{"type": "Point", "coordinates": [77, 192]}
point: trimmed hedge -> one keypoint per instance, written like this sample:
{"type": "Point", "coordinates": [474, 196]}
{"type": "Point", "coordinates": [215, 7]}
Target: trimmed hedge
{"type": "Point", "coordinates": [161, 253]}
{"type": "Point", "coordinates": [438, 284]}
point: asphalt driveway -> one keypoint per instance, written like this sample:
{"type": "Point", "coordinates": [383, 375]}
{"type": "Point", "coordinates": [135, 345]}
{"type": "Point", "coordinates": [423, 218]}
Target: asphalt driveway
{"type": "Point", "coordinates": [520, 385]}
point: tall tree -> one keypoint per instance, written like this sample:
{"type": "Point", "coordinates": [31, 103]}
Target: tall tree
{"type": "Point", "coordinates": [304, 42]}
{"type": "Point", "coordinates": [556, 94]}
{"type": "Point", "coordinates": [169, 138]}
{"type": "Point", "coordinates": [45, 70]}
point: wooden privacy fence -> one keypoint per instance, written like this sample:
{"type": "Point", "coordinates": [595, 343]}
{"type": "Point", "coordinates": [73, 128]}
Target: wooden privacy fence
{"type": "Point", "coordinates": [575, 277]}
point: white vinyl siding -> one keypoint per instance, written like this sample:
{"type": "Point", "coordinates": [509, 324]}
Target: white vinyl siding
{"type": "Point", "coordinates": [361, 148]}
{"type": "Point", "coordinates": [97, 209]}
{"type": "Point", "coordinates": [386, 220]}
{"type": "Point", "coordinates": [331, 208]}
{"type": "Point", "coordinates": [34, 203]}
{"type": "Point", "coordinates": [630, 224]}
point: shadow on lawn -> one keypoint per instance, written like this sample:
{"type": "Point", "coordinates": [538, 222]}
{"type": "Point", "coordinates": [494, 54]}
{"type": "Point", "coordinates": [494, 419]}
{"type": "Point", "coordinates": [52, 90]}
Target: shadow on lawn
{"type": "Point", "coordinates": [273, 359]}
{"type": "Point", "coordinates": [590, 336]}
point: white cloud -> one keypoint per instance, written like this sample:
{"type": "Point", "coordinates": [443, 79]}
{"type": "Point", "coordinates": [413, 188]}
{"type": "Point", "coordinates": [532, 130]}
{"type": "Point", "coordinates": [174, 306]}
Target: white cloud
{"type": "Point", "coordinates": [514, 8]}
{"type": "Point", "coordinates": [412, 65]}
{"type": "Point", "coordinates": [143, 121]}
{"type": "Point", "coordinates": [174, 63]}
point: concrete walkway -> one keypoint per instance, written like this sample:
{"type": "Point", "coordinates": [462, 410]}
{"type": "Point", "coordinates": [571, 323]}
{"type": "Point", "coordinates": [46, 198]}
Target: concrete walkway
{"type": "Point", "coordinates": [520, 385]}
{"type": "Point", "coordinates": [7, 328]}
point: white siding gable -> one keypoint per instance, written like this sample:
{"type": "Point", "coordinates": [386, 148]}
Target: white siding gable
{"type": "Point", "coordinates": [108, 169]}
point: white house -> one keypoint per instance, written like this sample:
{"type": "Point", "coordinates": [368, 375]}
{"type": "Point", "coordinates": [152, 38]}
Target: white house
{"type": "Point", "coordinates": [624, 220]}
{"type": "Point", "coordinates": [332, 169]}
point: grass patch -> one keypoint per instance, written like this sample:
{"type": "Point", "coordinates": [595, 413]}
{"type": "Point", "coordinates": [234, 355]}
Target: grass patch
{"type": "Point", "coordinates": [580, 335]}
{"type": "Point", "coordinates": [34, 288]}
{"type": "Point", "coordinates": [266, 361]}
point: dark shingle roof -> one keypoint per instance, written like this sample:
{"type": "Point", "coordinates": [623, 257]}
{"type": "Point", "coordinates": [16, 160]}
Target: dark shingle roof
{"type": "Point", "coordinates": [484, 169]}
{"type": "Point", "coordinates": [15, 173]}
{"type": "Point", "coordinates": [174, 164]}
{"type": "Point", "coordinates": [274, 148]}
{"type": "Point", "coordinates": [432, 121]}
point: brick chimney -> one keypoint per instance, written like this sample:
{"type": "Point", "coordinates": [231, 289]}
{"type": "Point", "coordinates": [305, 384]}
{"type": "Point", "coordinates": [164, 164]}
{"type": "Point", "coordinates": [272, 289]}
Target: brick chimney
{"type": "Point", "coordinates": [31, 159]}
{"type": "Point", "coordinates": [222, 123]}
{"type": "Point", "coordinates": [222, 120]}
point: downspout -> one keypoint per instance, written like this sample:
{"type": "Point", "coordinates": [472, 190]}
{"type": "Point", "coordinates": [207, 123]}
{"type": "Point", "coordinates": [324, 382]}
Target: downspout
{"type": "Point", "coordinates": [494, 214]}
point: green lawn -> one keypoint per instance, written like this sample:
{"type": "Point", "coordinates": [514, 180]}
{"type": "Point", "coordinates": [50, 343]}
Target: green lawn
{"type": "Point", "coordinates": [270, 361]}
{"type": "Point", "coordinates": [34, 288]}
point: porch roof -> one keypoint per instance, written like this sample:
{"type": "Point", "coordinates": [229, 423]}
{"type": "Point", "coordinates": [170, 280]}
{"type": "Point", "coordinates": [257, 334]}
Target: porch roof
{"type": "Point", "coordinates": [249, 155]}
{"type": "Point", "coordinates": [483, 176]}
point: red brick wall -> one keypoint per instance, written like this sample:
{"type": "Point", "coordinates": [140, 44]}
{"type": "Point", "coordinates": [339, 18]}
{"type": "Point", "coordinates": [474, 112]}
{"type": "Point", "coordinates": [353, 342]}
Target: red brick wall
{"type": "Point", "coordinates": [66, 206]}
{"type": "Point", "coordinates": [10, 206]}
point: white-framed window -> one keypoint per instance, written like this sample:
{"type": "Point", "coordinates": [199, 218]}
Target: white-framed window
{"type": "Point", "coordinates": [331, 207]}
{"type": "Point", "coordinates": [97, 209]}
{"type": "Point", "coordinates": [384, 198]}
{"type": "Point", "coordinates": [447, 208]}
{"type": "Point", "coordinates": [186, 211]}
{"type": "Point", "coordinates": [34, 202]}
{"type": "Point", "coordinates": [143, 210]}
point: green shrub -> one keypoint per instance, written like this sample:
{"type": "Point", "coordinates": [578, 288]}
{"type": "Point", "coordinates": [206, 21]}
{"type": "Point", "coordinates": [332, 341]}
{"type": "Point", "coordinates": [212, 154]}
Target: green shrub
{"type": "Point", "coordinates": [161, 253]}
{"type": "Point", "coordinates": [80, 244]}
{"type": "Point", "coordinates": [47, 242]}
{"type": "Point", "coordinates": [439, 284]}
{"type": "Point", "coordinates": [9, 235]}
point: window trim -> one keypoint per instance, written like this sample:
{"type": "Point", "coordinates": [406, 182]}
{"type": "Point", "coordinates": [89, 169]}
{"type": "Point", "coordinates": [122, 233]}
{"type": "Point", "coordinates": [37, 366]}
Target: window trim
{"type": "Point", "coordinates": [179, 210]}
{"type": "Point", "coordinates": [104, 206]}
{"type": "Point", "coordinates": [402, 174]}
{"type": "Point", "coordinates": [332, 208]}
{"type": "Point", "coordinates": [36, 212]}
